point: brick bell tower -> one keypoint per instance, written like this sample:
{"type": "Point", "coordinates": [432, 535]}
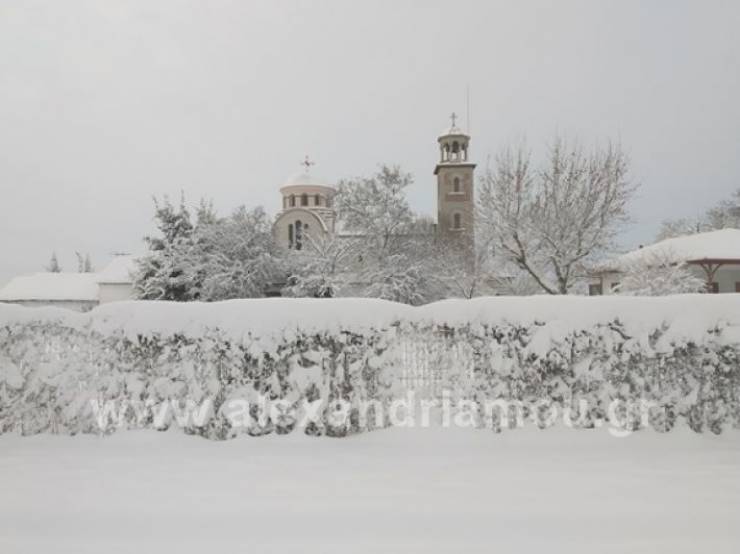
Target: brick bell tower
{"type": "Point", "coordinates": [455, 187]}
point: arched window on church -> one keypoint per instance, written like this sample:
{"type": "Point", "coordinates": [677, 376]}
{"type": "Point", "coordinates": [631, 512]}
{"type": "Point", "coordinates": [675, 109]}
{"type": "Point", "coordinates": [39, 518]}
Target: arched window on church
{"type": "Point", "coordinates": [456, 185]}
{"type": "Point", "coordinates": [456, 151]}
{"type": "Point", "coordinates": [290, 235]}
{"type": "Point", "coordinates": [292, 200]}
{"type": "Point", "coordinates": [317, 200]}
{"type": "Point", "coordinates": [298, 235]}
{"type": "Point", "coordinates": [457, 221]}
{"type": "Point", "coordinates": [304, 199]}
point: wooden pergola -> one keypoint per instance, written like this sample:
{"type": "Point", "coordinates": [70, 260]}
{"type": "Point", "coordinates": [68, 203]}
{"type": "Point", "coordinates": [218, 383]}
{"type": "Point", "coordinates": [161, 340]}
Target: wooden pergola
{"type": "Point", "coordinates": [711, 265]}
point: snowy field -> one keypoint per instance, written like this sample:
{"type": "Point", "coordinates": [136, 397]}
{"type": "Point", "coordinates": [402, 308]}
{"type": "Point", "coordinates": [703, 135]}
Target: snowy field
{"type": "Point", "coordinates": [399, 490]}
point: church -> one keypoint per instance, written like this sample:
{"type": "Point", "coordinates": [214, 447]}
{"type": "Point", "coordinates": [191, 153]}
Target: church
{"type": "Point", "coordinates": [307, 202]}
{"type": "Point", "coordinates": [307, 208]}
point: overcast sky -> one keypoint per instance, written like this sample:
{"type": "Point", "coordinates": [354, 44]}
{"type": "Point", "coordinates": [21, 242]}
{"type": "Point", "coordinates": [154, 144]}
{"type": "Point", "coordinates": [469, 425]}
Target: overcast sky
{"type": "Point", "coordinates": [104, 104]}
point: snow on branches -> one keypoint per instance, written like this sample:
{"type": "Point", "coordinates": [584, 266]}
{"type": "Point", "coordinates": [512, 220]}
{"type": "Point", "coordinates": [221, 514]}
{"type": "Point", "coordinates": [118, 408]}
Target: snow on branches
{"type": "Point", "coordinates": [550, 222]}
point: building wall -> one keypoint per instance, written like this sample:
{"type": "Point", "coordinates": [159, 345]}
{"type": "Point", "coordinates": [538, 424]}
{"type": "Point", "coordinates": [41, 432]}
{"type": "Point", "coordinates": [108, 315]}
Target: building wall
{"type": "Point", "coordinates": [280, 229]}
{"type": "Point", "coordinates": [114, 292]}
{"type": "Point", "coordinates": [728, 278]}
{"type": "Point", "coordinates": [450, 203]}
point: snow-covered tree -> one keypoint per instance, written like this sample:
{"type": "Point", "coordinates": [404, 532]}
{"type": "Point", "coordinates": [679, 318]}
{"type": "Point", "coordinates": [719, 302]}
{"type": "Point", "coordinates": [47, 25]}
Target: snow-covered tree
{"type": "Point", "coordinates": [54, 266]}
{"type": "Point", "coordinates": [163, 273]}
{"type": "Point", "coordinates": [84, 264]}
{"type": "Point", "coordinates": [323, 268]}
{"type": "Point", "coordinates": [399, 278]}
{"type": "Point", "coordinates": [173, 223]}
{"type": "Point", "coordinates": [552, 221]}
{"type": "Point", "coordinates": [392, 248]}
{"type": "Point", "coordinates": [659, 274]}
{"type": "Point", "coordinates": [462, 273]}
{"type": "Point", "coordinates": [235, 257]}
{"type": "Point", "coordinates": [217, 259]}
{"type": "Point", "coordinates": [376, 209]}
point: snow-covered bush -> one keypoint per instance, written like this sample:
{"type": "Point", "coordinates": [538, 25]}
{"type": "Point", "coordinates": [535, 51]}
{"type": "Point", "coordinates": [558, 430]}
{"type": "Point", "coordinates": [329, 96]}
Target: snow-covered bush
{"type": "Point", "coordinates": [159, 364]}
{"type": "Point", "coordinates": [658, 275]}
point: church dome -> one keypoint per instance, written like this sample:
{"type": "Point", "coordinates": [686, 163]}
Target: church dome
{"type": "Point", "coordinates": [304, 191]}
{"type": "Point", "coordinates": [302, 178]}
{"type": "Point", "coordinates": [453, 131]}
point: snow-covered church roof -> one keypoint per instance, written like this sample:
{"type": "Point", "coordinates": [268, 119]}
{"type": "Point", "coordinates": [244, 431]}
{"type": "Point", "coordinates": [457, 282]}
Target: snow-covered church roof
{"type": "Point", "coordinates": [723, 245]}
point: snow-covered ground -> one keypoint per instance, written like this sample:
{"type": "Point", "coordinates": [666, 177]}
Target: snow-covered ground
{"type": "Point", "coordinates": [398, 490]}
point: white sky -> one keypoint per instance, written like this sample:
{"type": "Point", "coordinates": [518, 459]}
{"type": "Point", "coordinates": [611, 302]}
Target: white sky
{"type": "Point", "coordinates": [104, 104]}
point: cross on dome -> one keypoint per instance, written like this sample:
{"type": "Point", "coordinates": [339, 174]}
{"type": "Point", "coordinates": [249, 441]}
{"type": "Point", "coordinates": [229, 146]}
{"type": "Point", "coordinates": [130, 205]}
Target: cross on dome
{"type": "Point", "coordinates": [307, 163]}
{"type": "Point", "coordinates": [453, 117]}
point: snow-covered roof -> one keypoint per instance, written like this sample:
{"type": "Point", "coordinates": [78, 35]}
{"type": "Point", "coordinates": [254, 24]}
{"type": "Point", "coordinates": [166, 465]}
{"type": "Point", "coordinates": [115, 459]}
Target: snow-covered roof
{"type": "Point", "coordinates": [52, 286]}
{"type": "Point", "coordinates": [119, 270]}
{"type": "Point", "coordinates": [713, 245]}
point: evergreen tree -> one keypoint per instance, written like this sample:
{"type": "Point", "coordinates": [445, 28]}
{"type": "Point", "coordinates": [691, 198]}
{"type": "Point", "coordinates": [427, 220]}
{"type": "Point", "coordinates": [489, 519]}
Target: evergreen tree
{"type": "Point", "coordinates": [162, 275]}
{"type": "Point", "coordinates": [84, 265]}
{"type": "Point", "coordinates": [54, 266]}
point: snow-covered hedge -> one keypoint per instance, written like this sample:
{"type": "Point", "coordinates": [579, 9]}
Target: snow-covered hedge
{"type": "Point", "coordinates": [336, 366]}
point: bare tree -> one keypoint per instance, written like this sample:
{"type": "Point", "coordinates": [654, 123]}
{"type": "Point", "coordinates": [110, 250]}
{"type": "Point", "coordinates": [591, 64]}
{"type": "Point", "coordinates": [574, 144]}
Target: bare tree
{"type": "Point", "coordinates": [671, 228]}
{"type": "Point", "coordinates": [551, 222]}
{"type": "Point", "coordinates": [726, 214]}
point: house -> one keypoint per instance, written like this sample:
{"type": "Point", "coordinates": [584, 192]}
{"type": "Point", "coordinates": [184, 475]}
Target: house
{"type": "Point", "coordinates": [713, 256]}
{"type": "Point", "coordinates": [76, 291]}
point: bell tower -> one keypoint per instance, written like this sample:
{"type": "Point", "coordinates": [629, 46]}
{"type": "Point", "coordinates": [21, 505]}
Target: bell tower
{"type": "Point", "coordinates": [455, 186]}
